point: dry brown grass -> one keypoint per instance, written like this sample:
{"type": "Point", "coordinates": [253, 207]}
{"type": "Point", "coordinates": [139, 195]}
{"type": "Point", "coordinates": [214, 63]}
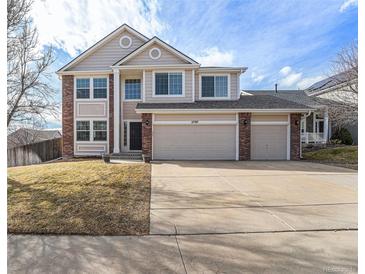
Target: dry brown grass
{"type": "Point", "coordinates": [86, 197]}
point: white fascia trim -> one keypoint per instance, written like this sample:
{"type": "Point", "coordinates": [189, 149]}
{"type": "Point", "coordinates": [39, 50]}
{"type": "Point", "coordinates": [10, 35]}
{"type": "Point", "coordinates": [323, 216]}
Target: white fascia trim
{"type": "Point", "coordinates": [172, 111]}
{"type": "Point", "coordinates": [223, 69]}
{"type": "Point", "coordinates": [162, 66]}
{"type": "Point", "coordinates": [102, 42]}
{"type": "Point", "coordinates": [86, 72]}
{"type": "Point", "coordinates": [162, 44]}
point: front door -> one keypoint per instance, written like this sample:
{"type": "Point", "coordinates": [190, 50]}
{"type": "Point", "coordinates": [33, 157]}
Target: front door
{"type": "Point", "coordinates": [135, 136]}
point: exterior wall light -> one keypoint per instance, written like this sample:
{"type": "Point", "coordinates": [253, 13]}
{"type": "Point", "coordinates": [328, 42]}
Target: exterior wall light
{"type": "Point", "coordinates": [245, 122]}
{"type": "Point", "coordinates": [296, 122]}
{"type": "Point", "coordinates": [147, 122]}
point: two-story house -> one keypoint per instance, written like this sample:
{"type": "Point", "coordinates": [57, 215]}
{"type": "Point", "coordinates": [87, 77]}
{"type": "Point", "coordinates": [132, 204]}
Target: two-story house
{"type": "Point", "coordinates": [130, 93]}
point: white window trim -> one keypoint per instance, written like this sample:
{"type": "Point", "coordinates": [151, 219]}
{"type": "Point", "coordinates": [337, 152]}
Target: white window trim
{"type": "Point", "coordinates": [168, 95]}
{"type": "Point", "coordinates": [124, 95]}
{"type": "Point", "coordinates": [151, 56]}
{"type": "Point", "coordinates": [91, 121]}
{"type": "Point", "coordinates": [91, 79]}
{"type": "Point", "coordinates": [128, 121]}
{"type": "Point", "coordinates": [121, 44]}
{"type": "Point", "coordinates": [228, 97]}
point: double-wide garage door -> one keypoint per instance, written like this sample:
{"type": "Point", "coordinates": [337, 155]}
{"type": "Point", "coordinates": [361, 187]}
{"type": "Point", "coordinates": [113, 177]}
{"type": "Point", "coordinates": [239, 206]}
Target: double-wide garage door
{"type": "Point", "coordinates": [194, 142]}
{"type": "Point", "coordinates": [208, 137]}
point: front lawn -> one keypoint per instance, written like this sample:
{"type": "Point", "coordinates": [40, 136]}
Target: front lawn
{"type": "Point", "coordinates": [86, 197]}
{"type": "Point", "coordinates": [345, 156]}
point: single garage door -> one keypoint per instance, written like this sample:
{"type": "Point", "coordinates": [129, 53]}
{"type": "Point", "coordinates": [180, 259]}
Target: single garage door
{"type": "Point", "coordinates": [268, 142]}
{"type": "Point", "coordinates": [194, 142]}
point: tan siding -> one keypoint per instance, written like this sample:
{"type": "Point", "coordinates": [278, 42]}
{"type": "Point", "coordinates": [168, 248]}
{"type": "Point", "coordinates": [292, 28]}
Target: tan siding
{"type": "Point", "coordinates": [268, 142]}
{"type": "Point", "coordinates": [263, 118]}
{"type": "Point", "coordinates": [197, 117]}
{"type": "Point", "coordinates": [129, 111]}
{"type": "Point", "coordinates": [216, 142]}
{"type": "Point", "coordinates": [149, 89]}
{"type": "Point", "coordinates": [143, 58]}
{"type": "Point", "coordinates": [108, 54]}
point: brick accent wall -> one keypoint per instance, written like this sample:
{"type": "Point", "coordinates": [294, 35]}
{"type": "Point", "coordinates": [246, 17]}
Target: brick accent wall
{"type": "Point", "coordinates": [111, 113]}
{"type": "Point", "coordinates": [295, 136]}
{"type": "Point", "coordinates": [147, 137]}
{"type": "Point", "coordinates": [244, 136]}
{"type": "Point", "coordinates": [67, 116]}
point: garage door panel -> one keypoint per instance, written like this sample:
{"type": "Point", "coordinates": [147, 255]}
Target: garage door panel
{"type": "Point", "coordinates": [191, 142]}
{"type": "Point", "coordinates": [268, 142]}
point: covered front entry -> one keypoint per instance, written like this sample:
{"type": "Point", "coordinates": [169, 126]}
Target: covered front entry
{"type": "Point", "coordinates": [194, 137]}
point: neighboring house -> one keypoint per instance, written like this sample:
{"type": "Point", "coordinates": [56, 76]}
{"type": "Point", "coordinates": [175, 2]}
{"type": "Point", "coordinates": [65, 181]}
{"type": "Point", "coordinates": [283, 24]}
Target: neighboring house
{"type": "Point", "coordinates": [129, 93]}
{"type": "Point", "coordinates": [26, 136]}
{"type": "Point", "coordinates": [337, 89]}
{"type": "Point", "coordinates": [315, 126]}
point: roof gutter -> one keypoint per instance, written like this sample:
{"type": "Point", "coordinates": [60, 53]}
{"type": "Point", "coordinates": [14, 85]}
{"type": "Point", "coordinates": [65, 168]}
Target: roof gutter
{"type": "Point", "coordinates": [217, 110]}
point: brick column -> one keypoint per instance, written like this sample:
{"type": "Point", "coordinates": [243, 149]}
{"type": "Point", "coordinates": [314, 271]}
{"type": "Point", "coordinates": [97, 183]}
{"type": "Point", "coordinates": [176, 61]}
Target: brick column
{"type": "Point", "coordinates": [244, 136]}
{"type": "Point", "coordinates": [67, 116]}
{"type": "Point", "coordinates": [111, 113]}
{"type": "Point", "coordinates": [147, 137]}
{"type": "Point", "coordinates": [295, 136]}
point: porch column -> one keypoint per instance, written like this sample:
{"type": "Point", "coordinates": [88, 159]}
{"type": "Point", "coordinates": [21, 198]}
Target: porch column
{"type": "Point", "coordinates": [116, 148]}
{"type": "Point", "coordinates": [325, 125]}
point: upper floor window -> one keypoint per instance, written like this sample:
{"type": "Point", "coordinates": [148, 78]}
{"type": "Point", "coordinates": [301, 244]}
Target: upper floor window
{"type": "Point", "coordinates": [83, 88]}
{"type": "Point", "coordinates": [100, 88]}
{"type": "Point", "coordinates": [132, 89]}
{"type": "Point", "coordinates": [169, 83]}
{"type": "Point", "coordinates": [214, 86]}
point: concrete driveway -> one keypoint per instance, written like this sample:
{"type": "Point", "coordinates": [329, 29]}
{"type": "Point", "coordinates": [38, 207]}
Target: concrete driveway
{"type": "Point", "coordinates": [235, 197]}
{"type": "Point", "coordinates": [220, 217]}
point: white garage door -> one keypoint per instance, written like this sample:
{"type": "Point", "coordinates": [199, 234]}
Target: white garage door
{"type": "Point", "coordinates": [193, 142]}
{"type": "Point", "coordinates": [268, 142]}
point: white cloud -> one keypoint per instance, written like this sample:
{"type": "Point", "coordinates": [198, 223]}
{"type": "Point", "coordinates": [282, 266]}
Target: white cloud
{"type": "Point", "coordinates": [290, 80]}
{"type": "Point", "coordinates": [76, 25]}
{"type": "Point", "coordinates": [308, 81]}
{"type": "Point", "coordinates": [257, 78]}
{"type": "Point", "coordinates": [346, 4]}
{"type": "Point", "coordinates": [214, 57]}
{"type": "Point", "coordinates": [285, 70]}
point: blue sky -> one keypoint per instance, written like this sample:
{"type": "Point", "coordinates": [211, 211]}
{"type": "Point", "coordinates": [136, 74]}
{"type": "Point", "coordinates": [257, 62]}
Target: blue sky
{"type": "Point", "coordinates": [287, 42]}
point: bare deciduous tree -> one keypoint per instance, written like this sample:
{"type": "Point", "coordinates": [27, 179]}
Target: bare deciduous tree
{"type": "Point", "coordinates": [344, 73]}
{"type": "Point", "coordinates": [29, 96]}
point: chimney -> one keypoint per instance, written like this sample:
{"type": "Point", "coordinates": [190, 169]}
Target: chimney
{"type": "Point", "coordinates": [276, 88]}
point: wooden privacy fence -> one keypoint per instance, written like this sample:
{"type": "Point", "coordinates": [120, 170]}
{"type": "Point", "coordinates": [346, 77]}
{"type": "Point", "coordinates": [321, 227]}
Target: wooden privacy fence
{"type": "Point", "coordinates": [35, 153]}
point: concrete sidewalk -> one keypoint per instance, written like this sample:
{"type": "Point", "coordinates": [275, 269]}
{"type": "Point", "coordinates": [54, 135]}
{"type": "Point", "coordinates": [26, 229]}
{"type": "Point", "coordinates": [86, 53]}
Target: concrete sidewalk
{"type": "Point", "coordinates": [289, 252]}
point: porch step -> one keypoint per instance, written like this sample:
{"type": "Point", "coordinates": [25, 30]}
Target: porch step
{"type": "Point", "coordinates": [126, 156]}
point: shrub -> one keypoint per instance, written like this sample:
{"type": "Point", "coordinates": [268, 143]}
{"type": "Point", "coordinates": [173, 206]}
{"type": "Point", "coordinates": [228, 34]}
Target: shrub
{"type": "Point", "coordinates": [343, 135]}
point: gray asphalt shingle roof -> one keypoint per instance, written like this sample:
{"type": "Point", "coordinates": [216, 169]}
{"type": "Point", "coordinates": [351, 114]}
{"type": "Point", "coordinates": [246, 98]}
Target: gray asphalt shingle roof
{"type": "Point", "coordinates": [245, 102]}
{"type": "Point", "coordinates": [297, 96]}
